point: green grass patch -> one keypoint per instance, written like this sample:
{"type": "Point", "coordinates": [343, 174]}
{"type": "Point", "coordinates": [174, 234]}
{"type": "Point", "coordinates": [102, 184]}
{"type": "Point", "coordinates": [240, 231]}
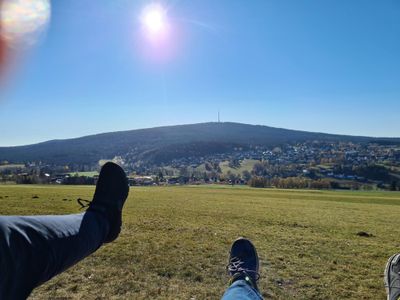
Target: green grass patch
{"type": "Point", "coordinates": [245, 165]}
{"type": "Point", "coordinates": [85, 174]}
{"type": "Point", "coordinates": [175, 241]}
{"type": "Point", "coordinates": [11, 166]}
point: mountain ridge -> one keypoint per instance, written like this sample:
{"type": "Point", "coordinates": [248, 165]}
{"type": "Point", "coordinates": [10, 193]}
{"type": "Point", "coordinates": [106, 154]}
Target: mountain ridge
{"type": "Point", "coordinates": [136, 143]}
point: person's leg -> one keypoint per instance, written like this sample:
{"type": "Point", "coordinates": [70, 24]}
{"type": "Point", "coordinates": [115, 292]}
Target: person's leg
{"type": "Point", "coordinates": [392, 277]}
{"type": "Point", "coordinates": [243, 268]}
{"type": "Point", "coordinates": [241, 290]}
{"type": "Point", "coordinates": [34, 249]}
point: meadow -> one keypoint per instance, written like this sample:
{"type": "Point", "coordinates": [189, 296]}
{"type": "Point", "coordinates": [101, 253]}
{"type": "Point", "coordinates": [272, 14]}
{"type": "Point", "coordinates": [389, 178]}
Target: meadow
{"type": "Point", "coordinates": [175, 241]}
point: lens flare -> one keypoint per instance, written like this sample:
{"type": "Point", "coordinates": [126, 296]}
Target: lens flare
{"type": "Point", "coordinates": [3, 45]}
{"type": "Point", "coordinates": [22, 22]}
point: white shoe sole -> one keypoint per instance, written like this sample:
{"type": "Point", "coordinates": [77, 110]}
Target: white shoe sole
{"type": "Point", "coordinates": [386, 277]}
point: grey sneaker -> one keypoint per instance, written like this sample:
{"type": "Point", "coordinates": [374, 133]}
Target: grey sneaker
{"type": "Point", "coordinates": [392, 277]}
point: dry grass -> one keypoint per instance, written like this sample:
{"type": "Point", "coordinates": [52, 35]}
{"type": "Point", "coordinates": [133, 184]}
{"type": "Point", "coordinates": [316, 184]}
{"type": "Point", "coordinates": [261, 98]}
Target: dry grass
{"type": "Point", "coordinates": [175, 242]}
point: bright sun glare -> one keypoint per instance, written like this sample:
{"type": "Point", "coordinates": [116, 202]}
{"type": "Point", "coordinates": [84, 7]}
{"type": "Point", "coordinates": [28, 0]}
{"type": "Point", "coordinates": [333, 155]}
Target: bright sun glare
{"type": "Point", "coordinates": [154, 20]}
{"type": "Point", "coordinates": [158, 34]}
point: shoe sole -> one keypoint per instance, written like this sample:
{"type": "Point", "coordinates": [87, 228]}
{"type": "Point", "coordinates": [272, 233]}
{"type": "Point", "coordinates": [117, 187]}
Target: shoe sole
{"type": "Point", "coordinates": [386, 275]}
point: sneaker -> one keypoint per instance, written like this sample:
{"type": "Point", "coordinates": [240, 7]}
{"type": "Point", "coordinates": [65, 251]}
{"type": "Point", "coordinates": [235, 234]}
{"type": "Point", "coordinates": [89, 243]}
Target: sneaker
{"type": "Point", "coordinates": [111, 192]}
{"type": "Point", "coordinates": [392, 277]}
{"type": "Point", "coordinates": [243, 262]}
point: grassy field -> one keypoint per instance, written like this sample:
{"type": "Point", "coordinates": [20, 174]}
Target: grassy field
{"type": "Point", "coordinates": [175, 242]}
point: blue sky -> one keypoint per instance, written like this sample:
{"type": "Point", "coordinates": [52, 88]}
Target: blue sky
{"type": "Point", "coordinates": [329, 66]}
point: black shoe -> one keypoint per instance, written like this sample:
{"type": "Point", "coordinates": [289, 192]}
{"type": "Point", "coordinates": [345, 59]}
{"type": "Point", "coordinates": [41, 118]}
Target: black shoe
{"type": "Point", "coordinates": [111, 192]}
{"type": "Point", "coordinates": [243, 262]}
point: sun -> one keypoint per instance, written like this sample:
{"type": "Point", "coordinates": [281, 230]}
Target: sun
{"type": "Point", "coordinates": [157, 32]}
{"type": "Point", "coordinates": [154, 20]}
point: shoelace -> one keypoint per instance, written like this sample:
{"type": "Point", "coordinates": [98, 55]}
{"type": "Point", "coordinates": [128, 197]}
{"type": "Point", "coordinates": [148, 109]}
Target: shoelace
{"type": "Point", "coordinates": [235, 266]}
{"type": "Point", "coordinates": [83, 203]}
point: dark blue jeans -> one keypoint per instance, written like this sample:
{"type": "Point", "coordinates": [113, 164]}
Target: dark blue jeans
{"type": "Point", "coordinates": [34, 249]}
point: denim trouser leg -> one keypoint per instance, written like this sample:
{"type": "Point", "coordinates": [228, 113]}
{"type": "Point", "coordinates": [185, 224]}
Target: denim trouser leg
{"type": "Point", "coordinates": [241, 290]}
{"type": "Point", "coordinates": [34, 249]}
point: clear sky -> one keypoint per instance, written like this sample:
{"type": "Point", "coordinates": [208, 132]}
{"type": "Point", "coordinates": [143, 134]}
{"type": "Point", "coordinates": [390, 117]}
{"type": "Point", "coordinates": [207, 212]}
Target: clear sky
{"type": "Point", "coordinates": [329, 66]}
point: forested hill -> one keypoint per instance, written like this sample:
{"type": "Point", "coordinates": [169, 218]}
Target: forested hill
{"type": "Point", "coordinates": [170, 142]}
